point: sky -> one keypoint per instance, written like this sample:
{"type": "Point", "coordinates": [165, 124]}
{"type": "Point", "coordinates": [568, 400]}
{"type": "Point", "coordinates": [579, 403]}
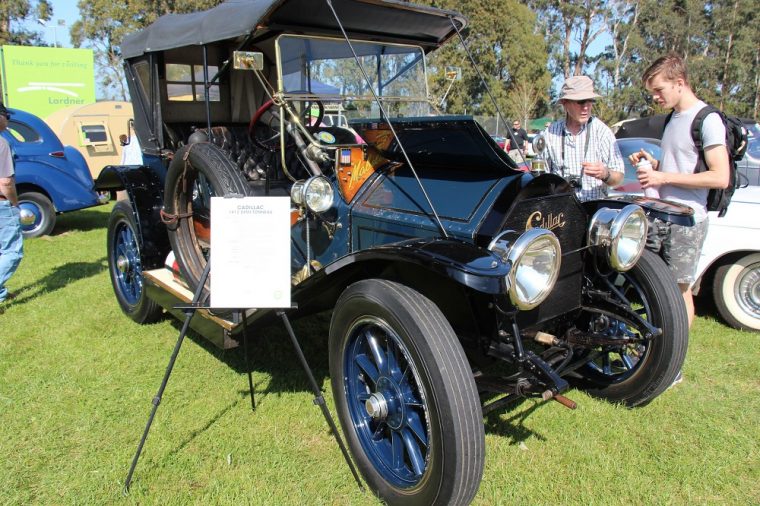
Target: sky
{"type": "Point", "coordinates": [65, 10]}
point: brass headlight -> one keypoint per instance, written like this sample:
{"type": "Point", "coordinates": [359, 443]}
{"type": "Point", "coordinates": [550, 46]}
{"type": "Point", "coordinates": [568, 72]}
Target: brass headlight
{"type": "Point", "coordinates": [535, 259]}
{"type": "Point", "coordinates": [315, 193]}
{"type": "Point", "coordinates": [623, 232]}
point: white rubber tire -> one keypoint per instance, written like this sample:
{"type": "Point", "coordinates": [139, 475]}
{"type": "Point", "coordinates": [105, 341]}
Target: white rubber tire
{"type": "Point", "coordinates": [736, 290]}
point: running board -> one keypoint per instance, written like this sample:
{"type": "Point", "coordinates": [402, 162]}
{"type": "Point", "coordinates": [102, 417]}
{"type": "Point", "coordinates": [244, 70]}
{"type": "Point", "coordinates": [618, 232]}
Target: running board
{"type": "Point", "coordinates": [162, 287]}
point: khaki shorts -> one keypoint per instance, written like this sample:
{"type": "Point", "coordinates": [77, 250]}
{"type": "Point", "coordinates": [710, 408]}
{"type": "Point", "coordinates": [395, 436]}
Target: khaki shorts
{"type": "Point", "coordinates": [679, 246]}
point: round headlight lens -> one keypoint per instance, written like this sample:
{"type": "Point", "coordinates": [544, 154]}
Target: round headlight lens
{"type": "Point", "coordinates": [318, 194]}
{"type": "Point", "coordinates": [535, 257]}
{"type": "Point", "coordinates": [628, 235]}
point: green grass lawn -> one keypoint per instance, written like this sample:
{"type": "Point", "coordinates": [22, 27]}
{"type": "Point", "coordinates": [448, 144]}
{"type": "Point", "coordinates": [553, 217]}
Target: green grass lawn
{"type": "Point", "coordinates": [77, 378]}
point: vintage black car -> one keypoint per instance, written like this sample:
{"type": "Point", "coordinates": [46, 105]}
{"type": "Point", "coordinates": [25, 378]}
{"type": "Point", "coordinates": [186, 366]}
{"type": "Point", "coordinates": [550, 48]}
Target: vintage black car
{"type": "Point", "coordinates": [456, 283]}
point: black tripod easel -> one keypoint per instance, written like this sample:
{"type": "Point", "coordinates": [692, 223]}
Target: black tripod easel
{"type": "Point", "coordinates": [190, 311]}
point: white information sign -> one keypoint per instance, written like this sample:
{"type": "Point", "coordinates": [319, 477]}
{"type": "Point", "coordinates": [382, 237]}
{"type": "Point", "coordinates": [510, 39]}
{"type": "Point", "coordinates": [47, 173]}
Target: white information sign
{"type": "Point", "coordinates": [250, 252]}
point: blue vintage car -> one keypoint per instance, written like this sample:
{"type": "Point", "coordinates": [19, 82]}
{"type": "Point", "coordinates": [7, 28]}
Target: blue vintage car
{"type": "Point", "coordinates": [50, 178]}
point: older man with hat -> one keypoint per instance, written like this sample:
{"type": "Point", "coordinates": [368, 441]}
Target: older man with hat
{"type": "Point", "coordinates": [581, 148]}
{"type": "Point", "coordinates": [11, 246]}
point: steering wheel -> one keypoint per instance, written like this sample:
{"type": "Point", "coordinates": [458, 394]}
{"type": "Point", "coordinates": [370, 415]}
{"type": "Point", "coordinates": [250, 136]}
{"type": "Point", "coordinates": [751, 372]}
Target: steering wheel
{"type": "Point", "coordinates": [264, 127]}
{"type": "Point", "coordinates": [311, 122]}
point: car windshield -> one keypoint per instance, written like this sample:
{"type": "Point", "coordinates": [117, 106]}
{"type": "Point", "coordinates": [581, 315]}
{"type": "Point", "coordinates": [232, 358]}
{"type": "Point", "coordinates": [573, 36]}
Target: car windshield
{"type": "Point", "coordinates": [327, 68]}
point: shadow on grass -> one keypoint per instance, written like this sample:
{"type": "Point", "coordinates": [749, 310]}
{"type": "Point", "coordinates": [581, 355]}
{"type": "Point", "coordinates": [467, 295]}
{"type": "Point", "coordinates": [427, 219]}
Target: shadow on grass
{"type": "Point", "coordinates": [80, 221]}
{"type": "Point", "coordinates": [61, 276]}
{"type": "Point", "coordinates": [513, 427]}
{"type": "Point", "coordinates": [271, 352]}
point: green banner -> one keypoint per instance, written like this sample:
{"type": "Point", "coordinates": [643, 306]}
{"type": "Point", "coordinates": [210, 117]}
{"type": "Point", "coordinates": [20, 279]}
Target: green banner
{"type": "Point", "coordinates": [42, 80]}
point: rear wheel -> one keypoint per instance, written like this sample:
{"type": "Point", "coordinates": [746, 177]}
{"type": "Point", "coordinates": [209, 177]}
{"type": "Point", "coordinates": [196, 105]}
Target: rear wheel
{"type": "Point", "coordinates": [44, 214]}
{"type": "Point", "coordinates": [125, 266]}
{"type": "Point", "coordinates": [638, 370]}
{"type": "Point", "coordinates": [736, 290]}
{"type": "Point", "coordinates": [405, 396]}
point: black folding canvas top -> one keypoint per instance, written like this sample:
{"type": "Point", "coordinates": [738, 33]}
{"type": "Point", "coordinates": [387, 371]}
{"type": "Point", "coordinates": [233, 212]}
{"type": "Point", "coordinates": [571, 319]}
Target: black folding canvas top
{"type": "Point", "coordinates": [382, 20]}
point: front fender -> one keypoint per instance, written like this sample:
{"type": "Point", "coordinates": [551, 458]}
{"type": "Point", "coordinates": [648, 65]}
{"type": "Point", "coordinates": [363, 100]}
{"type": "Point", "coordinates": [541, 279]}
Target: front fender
{"type": "Point", "coordinates": [665, 210]}
{"type": "Point", "coordinates": [146, 194]}
{"type": "Point", "coordinates": [432, 266]}
{"type": "Point", "coordinates": [467, 264]}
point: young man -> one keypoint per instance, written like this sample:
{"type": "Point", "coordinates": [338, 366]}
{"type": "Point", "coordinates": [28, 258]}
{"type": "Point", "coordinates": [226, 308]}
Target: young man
{"type": "Point", "coordinates": [581, 148]}
{"type": "Point", "coordinates": [11, 249]}
{"type": "Point", "coordinates": [667, 80]}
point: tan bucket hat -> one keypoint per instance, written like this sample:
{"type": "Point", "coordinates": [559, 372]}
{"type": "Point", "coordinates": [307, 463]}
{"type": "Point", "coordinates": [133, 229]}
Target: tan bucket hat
{"type": "Point", "coordinates": [578, 88]}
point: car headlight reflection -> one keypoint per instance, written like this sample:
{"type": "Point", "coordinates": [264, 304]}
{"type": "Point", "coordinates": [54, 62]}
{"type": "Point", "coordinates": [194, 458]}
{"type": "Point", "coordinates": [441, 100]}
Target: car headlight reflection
{"type": "Point", "coordinates": [623, 232]}
{"type": "Point", "coordinates": [535, 258]}
{"type": "Point", "coordinates": [315, 193]}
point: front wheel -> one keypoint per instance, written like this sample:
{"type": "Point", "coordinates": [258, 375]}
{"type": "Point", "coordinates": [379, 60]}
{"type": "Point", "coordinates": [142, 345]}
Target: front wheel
{"type": "Point", "coordinates": [43, 211]}
{"type": "Point", "coordinates": [405, 396]}
{"type": "Point", "coordinates": [736, 290]}
{"type": "Point", "coordinates": [125, 266]}
{"type": "Point", "coordinates": [638, 370]}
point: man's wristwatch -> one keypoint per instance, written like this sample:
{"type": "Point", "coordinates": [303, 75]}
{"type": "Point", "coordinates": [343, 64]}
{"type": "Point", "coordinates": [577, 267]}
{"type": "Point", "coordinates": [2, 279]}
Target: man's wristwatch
{"type": "Point", "coordinates": [607, 177]}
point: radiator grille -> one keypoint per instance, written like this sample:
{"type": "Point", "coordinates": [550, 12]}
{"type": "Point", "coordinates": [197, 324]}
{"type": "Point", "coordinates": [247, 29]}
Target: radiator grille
{"type": "Point", "coordinates": [563, 215]}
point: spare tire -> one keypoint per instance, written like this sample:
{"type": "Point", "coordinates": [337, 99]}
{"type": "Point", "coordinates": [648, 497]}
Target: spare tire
{"type": "Point", "coordinates": [198, 172]}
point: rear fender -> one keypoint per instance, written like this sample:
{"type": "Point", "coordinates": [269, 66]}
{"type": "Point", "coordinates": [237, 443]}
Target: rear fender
{"type": "Point", "coordinates": [146, 195]}
{"type": "Point", "coordinates": [65, 191]}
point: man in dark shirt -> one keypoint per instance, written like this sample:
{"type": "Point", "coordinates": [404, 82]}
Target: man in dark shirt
{"type": "Point", "coordinates": [521, 136]}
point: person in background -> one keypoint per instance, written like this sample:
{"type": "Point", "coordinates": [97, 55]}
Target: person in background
{"type": "Point", "coordinates": [521, 136]}
{"type": "Point", "coordinates": [667, 81]}
{"type": "Point", "coordinates": [581, 148]}
{"type": "Point", "coordinates": [11, 242]}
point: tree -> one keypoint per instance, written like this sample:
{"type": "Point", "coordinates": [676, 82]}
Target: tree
{"type": "Point", "coordinates": [104, 24]}
{"type": "Point", "coordinates": [13, 12]}
{"type": "Point", "coordinates": [508, 52]}
{"type": "Point", "coordinates": [566, 21]}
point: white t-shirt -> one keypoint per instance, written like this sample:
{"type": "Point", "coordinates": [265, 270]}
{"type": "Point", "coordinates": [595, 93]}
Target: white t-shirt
{"type": "Point", "coordinates": [6, 159]}
{"type": "Point", "coordinates": [131, 154]}
{"type": "Point", "coordinates": [680, 155]}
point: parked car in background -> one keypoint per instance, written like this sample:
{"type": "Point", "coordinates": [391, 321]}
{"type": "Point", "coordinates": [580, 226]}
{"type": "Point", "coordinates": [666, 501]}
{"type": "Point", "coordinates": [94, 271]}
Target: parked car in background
{"type": "Point", "coordinates": [501, 141]}
{"type": "Point", "coordinates": [50, 178]}
{"type": "Point", "coordinates": [750, 164]}
{"type": "Point", "coordinates": [729, 266]}
{"type": "Point", "coordinates": [651, 127]}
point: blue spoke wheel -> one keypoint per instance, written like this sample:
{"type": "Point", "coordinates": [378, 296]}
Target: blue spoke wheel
{"type": "Point", "coordinates": [125, 266]}
{"type": "Point", "coordinates": [405, 396]}
{"type": "Point", "coordinates": [636, 372]}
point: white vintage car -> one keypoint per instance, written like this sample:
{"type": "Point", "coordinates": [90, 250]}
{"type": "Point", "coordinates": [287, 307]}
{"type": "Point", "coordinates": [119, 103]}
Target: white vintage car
{"type": "Point", "coordinates": [731, 260]}
{"type": "Point", "coordinates": [730, 263]}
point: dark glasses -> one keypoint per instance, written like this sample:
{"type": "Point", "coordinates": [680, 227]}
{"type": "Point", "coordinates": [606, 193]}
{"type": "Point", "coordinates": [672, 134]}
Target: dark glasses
{"type": "Point", "coordinates": [584, 102]}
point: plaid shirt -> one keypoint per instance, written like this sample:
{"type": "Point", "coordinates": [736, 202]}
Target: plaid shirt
{"type": "Point", "coordinates": [601, 147]}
